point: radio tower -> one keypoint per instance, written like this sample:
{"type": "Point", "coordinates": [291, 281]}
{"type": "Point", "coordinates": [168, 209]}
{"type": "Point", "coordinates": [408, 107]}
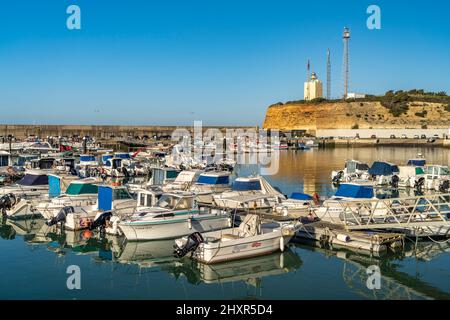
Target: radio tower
{"type": "Point", "coordinates": [328, 75]}
{"type": "Point", "coordinates": [346, 37]}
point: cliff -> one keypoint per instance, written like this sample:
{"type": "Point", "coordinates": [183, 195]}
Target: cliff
{"type": "Point", "coordinates": [356, 114]}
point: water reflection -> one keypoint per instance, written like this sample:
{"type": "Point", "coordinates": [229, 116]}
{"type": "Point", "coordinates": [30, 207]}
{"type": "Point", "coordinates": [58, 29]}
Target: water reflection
{"type": "Point", "coordinates": [395, 284]}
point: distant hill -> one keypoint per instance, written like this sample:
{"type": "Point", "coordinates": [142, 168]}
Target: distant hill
{"type": "Point", "coordinates": [400, 109]}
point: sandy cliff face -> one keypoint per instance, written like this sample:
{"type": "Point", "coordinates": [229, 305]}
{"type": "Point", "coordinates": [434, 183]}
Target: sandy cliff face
{"type": "Point", "coordinates": [348, 115]}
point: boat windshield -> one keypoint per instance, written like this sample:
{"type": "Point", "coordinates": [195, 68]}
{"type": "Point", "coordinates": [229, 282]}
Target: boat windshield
{"type": "Point", "coordinates": [167, 201]}
{"type": "Point", "coordinates": [174, 203]}
{"type": "Point", "coordinates": [246, 185]}
{"type": "Point", "coordinates": [121, 194]}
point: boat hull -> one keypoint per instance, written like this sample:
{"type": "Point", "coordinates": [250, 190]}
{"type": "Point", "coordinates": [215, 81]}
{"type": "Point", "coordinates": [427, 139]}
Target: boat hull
{"type": "Point", "coordinates": [172, 229]}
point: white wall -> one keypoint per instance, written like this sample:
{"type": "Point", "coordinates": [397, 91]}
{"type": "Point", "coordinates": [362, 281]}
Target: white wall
{"type": "Point", "coordinates": [380, 133]}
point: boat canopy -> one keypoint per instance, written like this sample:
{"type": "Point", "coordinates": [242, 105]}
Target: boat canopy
{"type": "Point", "coordinates": [122, 155]}
{"type": "Point", "coordinates": [353, 165]}
{"type": "Point", "coordinates": [300, 196]}
{"type": "Point", "coordinates": [213, 179]}
{"type": "Point", "coordinates": [76, 188]}
{"type": "Point", "coordinates": [416, 162]}
{"type": "Point", "coordinates": [34, 180]}
{"type": "Point", "coordinates": [380, 168]}
{"type": "Point", "coordinates": [246, 185]}
{"type": "Point", "coordinates": [355, 191]}
{"type": "Point", "coordinates": [87, 158]}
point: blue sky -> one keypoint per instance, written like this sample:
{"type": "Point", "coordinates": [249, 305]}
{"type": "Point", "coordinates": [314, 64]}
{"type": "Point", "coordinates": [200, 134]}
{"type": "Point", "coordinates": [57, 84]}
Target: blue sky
{"type": "Point", "coordinates": [222, 62]}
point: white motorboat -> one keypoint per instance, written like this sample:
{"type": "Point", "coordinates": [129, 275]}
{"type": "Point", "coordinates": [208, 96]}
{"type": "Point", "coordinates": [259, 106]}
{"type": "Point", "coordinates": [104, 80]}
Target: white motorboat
{"type": "Point", "coordinates": [411, 177]}
{"type": "Point", "coordinates": [111, 198]}
{"type": "Point", "coordinates": [175, 215]}
{"type": "Point", "coordinates": [79, 193]}
{"type": "Point", "coordinates": [251, 238]}
{"type": "Point", "coordinates": [210, 183]}
{"type": "Point", "coordinates": [353, 170]}
{"type": "Point", "coordinates": [333, 210]}
{"type": "Point", "coordinates": [296, 206]}
{"type": "Point", "coordinates": [246, 189]}
{"type": "Point", "coordinates": [384, 173]}
{"type": "Point", "coordinates": [437, 178]}
{"type": "Point", "coordinates": [17, 201]}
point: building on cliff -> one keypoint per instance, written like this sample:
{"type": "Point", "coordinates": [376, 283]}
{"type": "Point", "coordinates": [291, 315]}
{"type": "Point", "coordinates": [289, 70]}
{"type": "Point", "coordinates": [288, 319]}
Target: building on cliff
{"type": "Point", "coordinates": [313, 88]}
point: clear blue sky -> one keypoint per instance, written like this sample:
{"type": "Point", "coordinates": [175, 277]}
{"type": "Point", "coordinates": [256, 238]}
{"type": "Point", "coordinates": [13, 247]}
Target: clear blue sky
{"type": "Point", "coordinates": [223, 62]}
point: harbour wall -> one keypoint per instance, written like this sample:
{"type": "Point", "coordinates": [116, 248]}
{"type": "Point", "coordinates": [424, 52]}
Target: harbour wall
{"type": "Point", "coordinates": [100, 131]}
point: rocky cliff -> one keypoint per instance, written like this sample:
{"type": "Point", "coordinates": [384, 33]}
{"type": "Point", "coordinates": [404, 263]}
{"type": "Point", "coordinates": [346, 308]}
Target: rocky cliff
{"type": "Point", "coordinates": [348, 115]}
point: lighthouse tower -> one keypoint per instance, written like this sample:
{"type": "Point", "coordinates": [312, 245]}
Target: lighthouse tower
{"type": "Point", "coordinates": [313, 88]}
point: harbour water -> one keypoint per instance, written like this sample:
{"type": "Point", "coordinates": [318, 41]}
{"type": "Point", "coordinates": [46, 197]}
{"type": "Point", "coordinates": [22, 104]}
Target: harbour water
{"type": "Point", "coordinates": [34, 260]}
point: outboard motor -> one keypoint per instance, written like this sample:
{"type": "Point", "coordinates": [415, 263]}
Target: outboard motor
{"type": "Point", "coordinates": [125, 172]}
{"type": "Point", "coordinates": [192, 243]}
{"type": "Point", "coordinates": [338, 177]}
{"type": "Point", "coordinates": [419, 183]}
{"type": "Point", "coordinates": [444, 186]}
{"type": "Point", "coordinates": [61, 216]}
{"type": "Point", "coordinates": [7, 202]}
{"type": "Point", "coordinates": [101, 221]}
{"type": "Point", "coordinates": [394, 182]}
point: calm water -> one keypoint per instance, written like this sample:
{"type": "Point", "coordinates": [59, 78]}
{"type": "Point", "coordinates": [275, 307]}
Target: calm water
{"type": "Point", "coordinates": [34, 259]}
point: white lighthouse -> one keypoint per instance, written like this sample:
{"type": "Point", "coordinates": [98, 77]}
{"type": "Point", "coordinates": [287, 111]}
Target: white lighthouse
{"type": "Point", "coordinates": [313, 88]}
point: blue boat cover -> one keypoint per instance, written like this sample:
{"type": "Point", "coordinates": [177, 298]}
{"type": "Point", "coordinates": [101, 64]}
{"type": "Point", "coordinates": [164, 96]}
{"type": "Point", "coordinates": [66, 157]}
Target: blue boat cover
{"type": "Point", "coordinates": [34, 180]}
{"type": "Point", "coordinates": [417, 162]}
{"type": "Point", "coordinates": [213, 180]}
{"type": "Point", "coordinates": [105, 197]}
{"type": "Point", "coordinates": [122, 155]}
{"type": "Point", "coordinates": [300, 196]}
{"type": "Point", "coordinates": [246, 185]}
{"type": "Point", "coordinates": [54, 186]}
{"type": "Point", "coordinates": [85, 158]}
{"type": "Point", "coordinates": [383, 169]}
{"type": "Point", "coordinates": [106, 157]}
{"type": "Point", "coordinates": [355, 191]}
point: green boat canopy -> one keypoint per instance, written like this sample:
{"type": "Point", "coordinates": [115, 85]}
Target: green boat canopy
{"type": "Point", "coordinates": [81, 188]}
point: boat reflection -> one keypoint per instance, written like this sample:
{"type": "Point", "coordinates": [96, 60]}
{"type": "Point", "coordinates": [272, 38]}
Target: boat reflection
{"type": "Point", "coordinates": [395, 283]}
{"type": "Point", "coordinates": [251, 271]}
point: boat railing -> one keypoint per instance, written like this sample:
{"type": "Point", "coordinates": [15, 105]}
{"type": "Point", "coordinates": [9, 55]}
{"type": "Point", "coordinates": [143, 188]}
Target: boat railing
{"type": "Point", "coordinates": [414, 211]}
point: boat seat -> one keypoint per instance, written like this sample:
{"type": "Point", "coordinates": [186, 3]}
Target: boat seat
{"type": "Point", "coordinates": [229, 236]}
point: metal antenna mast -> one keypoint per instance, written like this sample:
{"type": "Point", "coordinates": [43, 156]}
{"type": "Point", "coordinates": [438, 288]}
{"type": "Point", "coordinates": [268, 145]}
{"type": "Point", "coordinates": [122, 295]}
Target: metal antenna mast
{"type": "Point", "coordinates": [328, 75]}
{"type": "Point", "coordinates": [346, 37]}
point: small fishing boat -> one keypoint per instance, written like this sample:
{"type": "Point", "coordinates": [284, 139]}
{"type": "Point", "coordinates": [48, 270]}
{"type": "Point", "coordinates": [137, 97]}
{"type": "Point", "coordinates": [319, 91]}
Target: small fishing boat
{"type": "Point", "coordinates": [251, 238]}
{"type": "Point", "coordinates": [384, 173]}
{"type": "Point", "coordinates": [174, 215]}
